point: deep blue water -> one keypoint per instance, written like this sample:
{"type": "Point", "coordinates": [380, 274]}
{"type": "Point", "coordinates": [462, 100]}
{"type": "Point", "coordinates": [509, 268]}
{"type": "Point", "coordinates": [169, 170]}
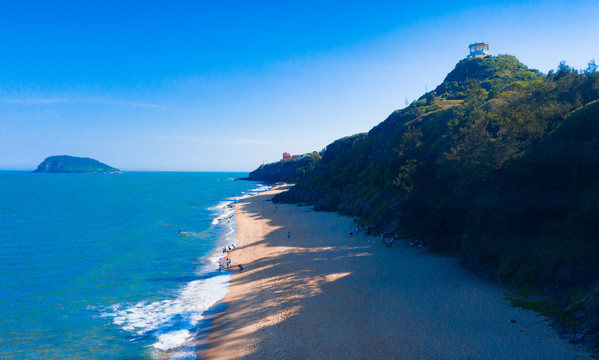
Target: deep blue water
{"type": "Point", "coordinates": [111, 266]}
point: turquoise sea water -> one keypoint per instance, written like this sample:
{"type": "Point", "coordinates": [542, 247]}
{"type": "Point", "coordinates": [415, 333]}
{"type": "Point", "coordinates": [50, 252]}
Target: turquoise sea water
{"type": "Point", "coordinates": [114, 266]}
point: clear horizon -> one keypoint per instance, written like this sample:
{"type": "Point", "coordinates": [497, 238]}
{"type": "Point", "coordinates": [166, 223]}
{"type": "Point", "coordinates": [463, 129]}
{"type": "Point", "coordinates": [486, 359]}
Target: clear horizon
{"type": "Point", "coordinates": [195, 86]}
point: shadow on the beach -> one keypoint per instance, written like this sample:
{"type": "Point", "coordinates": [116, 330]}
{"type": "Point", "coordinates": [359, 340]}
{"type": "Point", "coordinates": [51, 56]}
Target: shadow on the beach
{"type": "Point", "coordinates": [309, 289]}
{"type": "Point", "coordinates": [348, 298]}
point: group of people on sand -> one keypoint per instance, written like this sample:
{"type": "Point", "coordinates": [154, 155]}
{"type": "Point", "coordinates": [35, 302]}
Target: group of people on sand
{"type": "Point", "coordinates": [225, 263]}
{"type": "Point", "coordinates": [226, 249]}
{"type": "Point", "coordinates": [356, 228]}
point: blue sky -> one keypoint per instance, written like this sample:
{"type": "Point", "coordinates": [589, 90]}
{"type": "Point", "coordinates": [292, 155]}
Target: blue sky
{"type": "Point", "coordinates": [228, 85]}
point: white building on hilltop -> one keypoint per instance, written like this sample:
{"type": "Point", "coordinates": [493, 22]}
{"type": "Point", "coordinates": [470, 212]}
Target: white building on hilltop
{"type": "Point", "coordinates": [479, 50]}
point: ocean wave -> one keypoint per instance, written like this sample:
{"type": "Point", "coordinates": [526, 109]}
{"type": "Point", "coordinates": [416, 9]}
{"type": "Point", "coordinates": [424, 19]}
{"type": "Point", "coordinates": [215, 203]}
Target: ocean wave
{"type": "Point", "coordinates": [224, 211]}
{"type": "Point", "coordinates": [261, 188]}
{"type": "Point", "coordinates": [172, 322]}
{"type": "Point", "coordinates": [174, 339]}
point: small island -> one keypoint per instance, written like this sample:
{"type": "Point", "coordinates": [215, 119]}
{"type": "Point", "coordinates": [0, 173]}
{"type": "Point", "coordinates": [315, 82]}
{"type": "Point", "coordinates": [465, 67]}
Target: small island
{"type": "Point", "coordinates": [72, 164]}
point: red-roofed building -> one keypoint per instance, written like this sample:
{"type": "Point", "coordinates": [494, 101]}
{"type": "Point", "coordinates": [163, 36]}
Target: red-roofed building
{"type": "Point", "coordinates": [286, 155]}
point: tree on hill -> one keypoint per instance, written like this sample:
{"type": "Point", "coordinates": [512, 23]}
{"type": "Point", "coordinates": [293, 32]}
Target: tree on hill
{"type": "Point", "coordinates": [499, 165]}
{"type": "Point", "coordinates": [290, 169]}
{"type": "Point", "coordinates": [72, 164]}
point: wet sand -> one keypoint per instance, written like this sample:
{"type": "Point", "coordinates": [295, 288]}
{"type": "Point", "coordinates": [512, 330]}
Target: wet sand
{"type": "Point", "coordinates": [322, 294]}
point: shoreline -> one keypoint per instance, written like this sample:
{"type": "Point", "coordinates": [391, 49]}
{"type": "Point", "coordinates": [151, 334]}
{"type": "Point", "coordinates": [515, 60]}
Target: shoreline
{"type": "Point", "coordinates": [192, 342]}
{"type": "Point", "coordinates": [323, 294]}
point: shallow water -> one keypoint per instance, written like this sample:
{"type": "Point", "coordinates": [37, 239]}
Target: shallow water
{"type": "Point", "coordinates": [110, 266]}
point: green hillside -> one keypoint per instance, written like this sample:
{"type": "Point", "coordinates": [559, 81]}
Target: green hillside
{"type": "Point", "coordinates": [72, 164]}
{"type": "Point", "coordinates": [287, 170]}
{"type": "Point", "coordinates": [499, 165]}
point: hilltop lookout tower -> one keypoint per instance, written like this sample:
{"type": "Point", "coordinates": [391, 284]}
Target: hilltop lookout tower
{"type": "Point", "coordinates": [479, 50]}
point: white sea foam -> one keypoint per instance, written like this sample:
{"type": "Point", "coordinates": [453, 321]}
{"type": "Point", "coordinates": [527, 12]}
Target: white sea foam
{"type": "Point", "coordinates": [186, 309]}
{"type": "Point", "coordinates": [177, 340]}
{"type": "Point", "coordinates": [187, 354]}
{"type": "Point", "coordinates": [174, 322]}
{"type": "Point", "coordinates": [261, 188]}
{"type": "Point", "coordinates": [173, 339]}
{"type": "Point", "coordinates": [225, 210]}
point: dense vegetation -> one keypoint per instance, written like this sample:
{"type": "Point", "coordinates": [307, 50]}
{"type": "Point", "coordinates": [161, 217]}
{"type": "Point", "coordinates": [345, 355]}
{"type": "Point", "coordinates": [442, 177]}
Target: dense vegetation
{"type": "Point", "coordinates": [290, 169]}
{"type": "Point", "coordinates": [72, 164]}
{"type": "Point", "coordinates": [499, 164]}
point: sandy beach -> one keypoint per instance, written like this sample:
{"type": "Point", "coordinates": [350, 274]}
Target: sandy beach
{"type": "Point", "coordinates": [310, 291]}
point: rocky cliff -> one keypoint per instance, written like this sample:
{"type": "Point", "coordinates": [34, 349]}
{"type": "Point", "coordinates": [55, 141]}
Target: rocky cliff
{"type": "Point", "coordinates": [498, 165]}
